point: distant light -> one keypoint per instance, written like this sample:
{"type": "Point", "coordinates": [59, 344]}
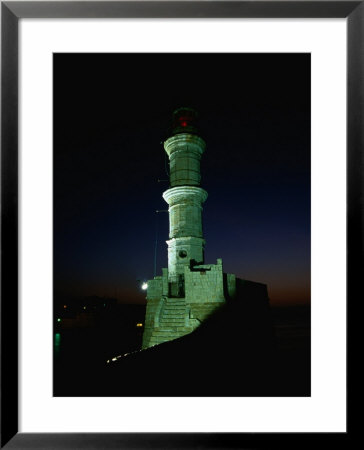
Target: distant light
{"type": "Point", "coordinates": [64, 306]}
{"type": "Point", "coordinates": [84, 307]}
{"type": "Point", "coordinates": [144, 286]}
{"type": "Point", "coordinates": [184, 124]}
{"type": "Point", "coordinates": [57, 344]}
{"type": "Point", "coordinates": [139, 325]}
{"type": "Point", "coordinates": [59, 320]}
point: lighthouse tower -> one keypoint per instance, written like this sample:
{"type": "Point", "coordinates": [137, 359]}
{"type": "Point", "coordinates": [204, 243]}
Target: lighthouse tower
{"type": "Point", "coordinates": [188, 290]}
{"type": "Point", "coordinates": [185, 198]}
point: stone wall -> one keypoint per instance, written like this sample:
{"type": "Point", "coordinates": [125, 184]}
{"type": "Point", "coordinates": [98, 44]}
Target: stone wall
{"type": "Point", "coordinates": [184, 151]}
{"type": "Point", "coordinates": [155, 288]}
{"type": "Point", "coordinates": [168, 318]}
{"type": "Point", "coordinates": [201, 311]}
{"type": "Point", "coordinates": [185, 227]}
{"type": "Point", "coordinates": [154, 305]}
{"type": "Point", "coordinates": [207, 288]}
{"type": "Point", "coordinates": [204, 283]}
{"type": "Point", "coordinates": [180, 252]}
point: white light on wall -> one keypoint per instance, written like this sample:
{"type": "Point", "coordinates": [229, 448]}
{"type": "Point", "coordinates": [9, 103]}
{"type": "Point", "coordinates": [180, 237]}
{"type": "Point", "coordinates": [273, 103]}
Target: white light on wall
{"type": "Point", "coordinates": [144, 286]}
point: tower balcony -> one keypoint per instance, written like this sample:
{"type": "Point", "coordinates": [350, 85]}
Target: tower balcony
{"type": "Point", "coordinates": [185, 194]}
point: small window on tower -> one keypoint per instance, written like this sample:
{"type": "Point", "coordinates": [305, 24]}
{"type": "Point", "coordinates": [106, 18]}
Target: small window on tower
{"type": "Point", "coordinates": [182, 254]}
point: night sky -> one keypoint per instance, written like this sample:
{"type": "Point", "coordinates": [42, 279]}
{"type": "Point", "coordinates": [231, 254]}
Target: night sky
{"type": "Point", "coordinates": [111, 114]}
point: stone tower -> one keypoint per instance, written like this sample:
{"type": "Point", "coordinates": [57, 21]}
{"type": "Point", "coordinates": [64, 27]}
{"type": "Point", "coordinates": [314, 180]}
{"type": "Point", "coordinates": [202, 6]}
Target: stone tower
{"type": "Point", "coordinates": [185, 198]}
{"type": "Point", "coordinates": [188, 290]}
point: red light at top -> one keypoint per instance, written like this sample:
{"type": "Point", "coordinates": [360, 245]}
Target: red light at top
{"type": "Point", "coordinates": [184, 121]}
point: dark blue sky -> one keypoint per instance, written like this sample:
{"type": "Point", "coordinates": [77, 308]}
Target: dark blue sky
{"type": "Point", "coordinates": [111, 113]}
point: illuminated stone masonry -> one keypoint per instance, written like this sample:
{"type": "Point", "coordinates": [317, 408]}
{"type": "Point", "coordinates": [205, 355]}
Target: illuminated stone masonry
{"type": "Point", "coordinates": [185, 228]}
{"type": "Point", "coordinates": [188, 290]}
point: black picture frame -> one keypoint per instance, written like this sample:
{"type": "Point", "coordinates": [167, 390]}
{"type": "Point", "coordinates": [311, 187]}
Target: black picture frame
{"type": "Point", "coordinates": [11, 12]}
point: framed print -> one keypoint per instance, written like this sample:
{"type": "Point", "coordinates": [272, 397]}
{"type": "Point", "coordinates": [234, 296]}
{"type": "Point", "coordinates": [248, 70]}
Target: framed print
{"type": "Point", "coordinates": [96, 323]}
{"type": "Point", "coordinates": [127, 140]}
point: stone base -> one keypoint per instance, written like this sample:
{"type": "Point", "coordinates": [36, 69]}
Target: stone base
{"type": "Point", "coordinates": [206, 290]}
{"type": "Point", "coordinates": [170, 317]}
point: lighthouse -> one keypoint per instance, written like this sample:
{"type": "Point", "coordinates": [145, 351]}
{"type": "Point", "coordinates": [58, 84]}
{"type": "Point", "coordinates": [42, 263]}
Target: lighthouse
{"type": "Point", "coordinates": [189, 290]}
{"type": "Point", "coordinates": [185, 198]}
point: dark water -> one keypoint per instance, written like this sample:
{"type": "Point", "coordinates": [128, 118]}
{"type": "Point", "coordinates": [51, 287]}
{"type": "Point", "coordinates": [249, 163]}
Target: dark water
{"type": "Point", "coordinates": [293, 327]}
{"type": "Point", "coordinates": [82, 347]}
{"type": "Point", "coordinates": [80, 356]}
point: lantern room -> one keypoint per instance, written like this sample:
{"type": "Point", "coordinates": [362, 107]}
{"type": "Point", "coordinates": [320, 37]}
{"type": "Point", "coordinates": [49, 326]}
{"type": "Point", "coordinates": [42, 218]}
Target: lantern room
{"type": "Point", "coordinates": [185, 121]}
